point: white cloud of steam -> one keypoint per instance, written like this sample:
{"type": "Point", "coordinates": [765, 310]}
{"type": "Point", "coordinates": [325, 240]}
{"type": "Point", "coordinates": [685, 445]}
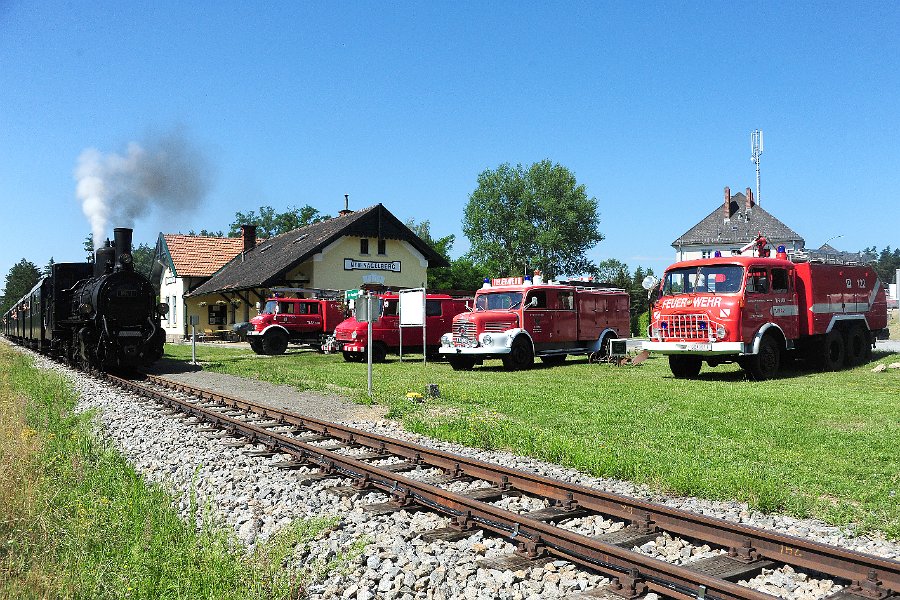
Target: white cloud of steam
{"type": "Point", "coordinates": [165, 173]}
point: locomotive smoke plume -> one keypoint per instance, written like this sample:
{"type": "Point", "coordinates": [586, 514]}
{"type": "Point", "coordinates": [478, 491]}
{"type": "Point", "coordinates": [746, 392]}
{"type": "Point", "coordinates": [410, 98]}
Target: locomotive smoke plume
{"type": "Point", "coordinates": [165, 173]}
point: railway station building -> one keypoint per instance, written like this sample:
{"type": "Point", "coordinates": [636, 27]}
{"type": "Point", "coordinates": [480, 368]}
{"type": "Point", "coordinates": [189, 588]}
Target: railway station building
{"type": "Point", "coordinates": [368, 248]}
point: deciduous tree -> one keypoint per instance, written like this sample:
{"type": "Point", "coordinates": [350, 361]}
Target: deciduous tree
{"type": "Point", "coordinates": [519, 219]}
{"type": "Point", "coordinates": [462, 274]}
{"type": "Point", "coordinates": [270, 223]}
{"type": "Point", "coordinates": [21, 278]}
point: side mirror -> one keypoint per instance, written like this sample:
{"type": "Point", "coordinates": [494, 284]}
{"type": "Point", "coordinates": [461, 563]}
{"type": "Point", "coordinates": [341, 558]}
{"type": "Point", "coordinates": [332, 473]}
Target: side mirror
{"type": "Point", "coordinates": [532, 302]}
{"type": "Point", "coordinates": [257, 306]}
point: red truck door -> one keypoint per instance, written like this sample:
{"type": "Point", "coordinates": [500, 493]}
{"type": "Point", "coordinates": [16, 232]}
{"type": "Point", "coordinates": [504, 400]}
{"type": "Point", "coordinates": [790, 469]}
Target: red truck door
{"type": "Point", "coordinates": [565, 318]}
{"type": "Point", "coordinates": [785, 312]}
{"type": "Point", "coordinates": [758, 305]}
{"type": "Point", "coordinates": [538, 319]}
{"type": "Point", "coordinates": [308, 320]}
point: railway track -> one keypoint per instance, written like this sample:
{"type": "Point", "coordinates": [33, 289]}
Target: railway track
{"type": "Point", "coordinates": [377, 463]}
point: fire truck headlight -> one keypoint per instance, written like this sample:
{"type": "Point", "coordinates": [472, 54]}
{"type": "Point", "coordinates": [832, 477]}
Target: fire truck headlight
{"type": "Point", "coordinates": [721, 332]}
{"type": "Point", "coordinates": [353, 335]}
{"type": "Point", "coordinates": [656, 333]}
{"type": "Point", "coordinates": [487, 339]}
{"type": "Point", "coordinates": [447, 339]}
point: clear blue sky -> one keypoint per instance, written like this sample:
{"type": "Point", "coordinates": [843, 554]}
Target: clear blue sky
{"type": "Point", "coordinates": [292, 103]}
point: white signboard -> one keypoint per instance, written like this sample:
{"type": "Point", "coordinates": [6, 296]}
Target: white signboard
{"type": "Point", "coordinates": [371, 265]}
{"type": "Point", "coordinates": [412, 308]}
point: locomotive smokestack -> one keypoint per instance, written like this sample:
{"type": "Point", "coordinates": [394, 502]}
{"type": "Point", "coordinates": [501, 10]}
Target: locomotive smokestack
{"type": "Point", "coordinates": [122, 237]}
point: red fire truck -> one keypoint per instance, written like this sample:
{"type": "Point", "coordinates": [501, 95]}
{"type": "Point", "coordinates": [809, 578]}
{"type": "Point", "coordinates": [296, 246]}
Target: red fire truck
{"type": "Point", "coordinates": [516, 320]}
{"type": "Point", "coordinates": [298, 320]}
{"type": "Point", "coordinates": [753, 310]}
{"type": "Point", "coordinates": [350, 336]}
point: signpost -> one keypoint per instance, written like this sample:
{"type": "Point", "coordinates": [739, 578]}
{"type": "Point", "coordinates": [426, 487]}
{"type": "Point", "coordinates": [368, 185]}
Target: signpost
{"type": "Point", "coordinates": [194, 321]}
{"type": "Point", "coordinates": [412, 314]}
{"type": "Point", "coordinates": [368, 312]}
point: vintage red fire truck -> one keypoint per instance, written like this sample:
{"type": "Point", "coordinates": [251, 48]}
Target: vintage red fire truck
{"type": "Point", "coordinates": [755, 310]}
{"type": "Point", "coordinates": [517, 320]}
{"type": "Point", "coordinates": [351, 336]}
{"type": "Point", "coordinates": [297, 320]}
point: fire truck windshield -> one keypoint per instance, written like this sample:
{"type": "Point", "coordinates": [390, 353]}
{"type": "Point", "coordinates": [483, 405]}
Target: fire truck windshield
{"type": "Point", "coordinates": [708, 279]}
{"type": "Point", "coordinates": [271, 307]}
{"type": "Point", "coordinates": [497, 300]}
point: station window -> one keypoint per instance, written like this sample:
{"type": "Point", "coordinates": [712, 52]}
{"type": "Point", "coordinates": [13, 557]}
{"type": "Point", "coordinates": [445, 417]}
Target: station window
{"type": "Point", "coordinates": [382, 247]}
{"type": "Point", "coordinates": [706, 254]}
{"type": "Point", "coordinates": [364, 245]}
{"type": "Point", "coordinates": [174, 308]}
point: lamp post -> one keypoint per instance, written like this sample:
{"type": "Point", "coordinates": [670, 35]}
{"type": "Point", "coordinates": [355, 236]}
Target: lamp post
{"type": "Point", "coordinates": [834, 237]}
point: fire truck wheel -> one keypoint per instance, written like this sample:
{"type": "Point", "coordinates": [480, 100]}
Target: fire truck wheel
{"type": "Point", "coordinates": [256, 345]}
{"type": "Point", "coordinates": [274, 342]}
{"type": "Point", "coordinates": [520, 355]}
{"type": "Point", "coordinates": [765, 364]}
{"type": "Point", "coordinates": [461, 363]}
{"type": "Point", "coordinates": [857, 346]}
{"type": "Point", "coordinates": [832, 351]}
{"type": "Point", "coordinates": [379, 352]}
{"type": "Point", "coordinates": [353, 356]}
{"type": "Point", "coordinates": [684, 367]}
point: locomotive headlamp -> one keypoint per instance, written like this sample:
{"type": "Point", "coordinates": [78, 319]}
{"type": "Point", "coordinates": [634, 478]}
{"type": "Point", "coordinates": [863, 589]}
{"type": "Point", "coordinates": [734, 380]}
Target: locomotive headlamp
{"type": "Point", "coordinates": [126, 259]}
{"type": "Point", "coordinates": [162, 309]}
{"type": "Point", "coordinates": [85, 308]}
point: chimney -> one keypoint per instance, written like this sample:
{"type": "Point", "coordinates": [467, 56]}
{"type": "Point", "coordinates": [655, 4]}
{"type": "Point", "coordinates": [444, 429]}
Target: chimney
{"type": "Point", "coordinates": [122, 244]}
{"type": "Point", "coordinates": [750, 203]}
{"type": "Point", "coordinates": [248, 234]}
{"type": "Point", "coordinates": [346, 210]}
{"type": "Point", "coordinates": [727, 203]}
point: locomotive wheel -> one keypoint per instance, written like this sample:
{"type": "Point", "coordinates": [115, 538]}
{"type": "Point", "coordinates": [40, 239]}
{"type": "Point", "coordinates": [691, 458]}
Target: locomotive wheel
{"type": "Point", "coordinates": [684, 366]}
{"type": "Point", "coordinates": [832, 351]}
{"type": "Point", "coordinates": [520, 355]}
{"type": "Point", "coordinates": [765, 364]}
{"type": "Point", "coordinates": [461, 363]}
{"type": "Point", "coordinates": [274, 342]}
{"type": "Point", "coordinates": [379, 352]}
{"type": "Point", "coordinates": [859, 349]}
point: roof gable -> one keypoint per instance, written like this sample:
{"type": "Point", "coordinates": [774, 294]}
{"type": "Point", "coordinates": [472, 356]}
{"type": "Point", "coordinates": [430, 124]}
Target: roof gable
{"type": "Point", "coordinates": [742, 226]}
{"type": "Point", "coordinates": [197, 256]}
{"type": "Point", "coordinates": [267, 263]}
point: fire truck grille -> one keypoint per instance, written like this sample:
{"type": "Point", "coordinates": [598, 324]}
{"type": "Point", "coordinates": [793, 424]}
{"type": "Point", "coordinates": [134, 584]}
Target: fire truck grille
{"type": "Point", "coordinates": [498, 326]}
{"type": "Point", "coordinates": [464, 333]}
{"type": "Point", "coordinates": [685, 327]}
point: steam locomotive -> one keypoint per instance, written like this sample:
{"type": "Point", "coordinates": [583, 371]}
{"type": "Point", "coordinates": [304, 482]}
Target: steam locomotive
{"type": "Point", "coordinates": [101, 316]}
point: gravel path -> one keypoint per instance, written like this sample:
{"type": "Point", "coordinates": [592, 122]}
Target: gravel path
{"type": "Point", "coordinates": [256, 499]}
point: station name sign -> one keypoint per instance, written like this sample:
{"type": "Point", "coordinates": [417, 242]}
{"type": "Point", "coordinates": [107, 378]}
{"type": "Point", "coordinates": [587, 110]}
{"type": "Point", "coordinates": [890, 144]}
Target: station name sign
{"type": "Point", "coordinates": [370, 265]}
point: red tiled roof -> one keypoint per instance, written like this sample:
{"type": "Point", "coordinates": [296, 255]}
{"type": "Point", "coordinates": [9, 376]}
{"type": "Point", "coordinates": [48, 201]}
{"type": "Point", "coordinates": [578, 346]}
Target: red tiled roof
{"type": "Point", "coordinates": [197, 256]}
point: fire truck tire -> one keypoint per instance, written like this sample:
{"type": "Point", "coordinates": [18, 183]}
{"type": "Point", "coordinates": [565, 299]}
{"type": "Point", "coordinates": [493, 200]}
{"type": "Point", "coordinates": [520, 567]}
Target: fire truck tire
{"type": "Point", "coordinates": [684, 366]}
{"type": "Point", "coordinates": [379, 352]}
{"type": "Point", "coordinates": [461, 363]}
{"type": "Point", "coordinates": [765, 363]}
{"type": "Point", "coordinates": [859, 348]}
{"type": "Point", "coordinates": [520, 355]}
{"type": "Point", "coordinates": [832, 351]}
{"type": "Point", "coordinates": [256, 346]}
{"type": "Point", "coordinates": [353, 356]}
{"type": "Point", "coordinates": [274, 342]}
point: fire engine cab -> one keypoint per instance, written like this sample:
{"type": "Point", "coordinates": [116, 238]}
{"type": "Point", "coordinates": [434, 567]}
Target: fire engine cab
{"type": "Point", "coordinates": [753, 310]}
{"type": "Point", "coordinates": [298, 320]}
{"type": "Point", "coordinates": [516, 320]}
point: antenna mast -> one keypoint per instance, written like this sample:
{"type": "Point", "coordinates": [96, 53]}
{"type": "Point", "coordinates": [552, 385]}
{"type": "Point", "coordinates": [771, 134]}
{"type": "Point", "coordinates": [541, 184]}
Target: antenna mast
{"type": "Point", "coordinates": [756, 150]}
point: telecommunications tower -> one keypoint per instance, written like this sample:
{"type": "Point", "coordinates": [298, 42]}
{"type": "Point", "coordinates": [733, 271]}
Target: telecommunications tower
{"type": "Point", "coordinates": [756, 150]}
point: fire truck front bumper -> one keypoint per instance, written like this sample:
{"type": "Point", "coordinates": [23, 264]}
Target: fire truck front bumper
{"type": "Point", "coordinates": [489, 344]}
{"type": "Point", "coordinates": [702, 348]}
{"type": "Point", "coordinates": [483, 351]}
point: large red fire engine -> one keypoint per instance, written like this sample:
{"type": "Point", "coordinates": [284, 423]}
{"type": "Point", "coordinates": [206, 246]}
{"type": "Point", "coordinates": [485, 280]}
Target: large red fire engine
{"type": "Point", "coordinates": [517, 320]}
{"type": "Point", "coordinates": [754, 309]}
{"type": "Point", "coordinates": [298, 320]}
{"type": "Point", "coordinates": [350, 336]}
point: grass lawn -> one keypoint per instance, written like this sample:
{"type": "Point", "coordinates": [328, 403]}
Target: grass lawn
{"type": "Point", "coordinates": [809, 444]}
{"type": "Point", "coordinates": [76, 521]}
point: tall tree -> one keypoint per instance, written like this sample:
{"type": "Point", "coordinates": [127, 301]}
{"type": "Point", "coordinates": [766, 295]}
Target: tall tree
{"type": "Point", "coordinates": [89, 247]}
{"type": "Point", "coordinates": [48, 268]}
{"type": "Point", "coordinates": [21, 278]}
{"type": "Point", "coordinates": [270, 223]}
{"type": "Point", "coordinates": [208, 233]}
{"type": "Point", "coordinates": [462, 274]}
{"type": "Point", "coordinates": [519, 219]}
{"type": "Point", "coordinates": [143, 256]}
{"type": "Point", "coordinates": [886, 262]}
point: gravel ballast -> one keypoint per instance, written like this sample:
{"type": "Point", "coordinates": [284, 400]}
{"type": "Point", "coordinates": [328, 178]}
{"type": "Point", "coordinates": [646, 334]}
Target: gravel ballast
{"type": "Point", "coordinates": [256, 499]}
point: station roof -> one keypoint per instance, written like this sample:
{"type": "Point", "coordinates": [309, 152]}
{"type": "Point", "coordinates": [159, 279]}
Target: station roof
{"type": "Point", "coordinates": [745, 221]}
